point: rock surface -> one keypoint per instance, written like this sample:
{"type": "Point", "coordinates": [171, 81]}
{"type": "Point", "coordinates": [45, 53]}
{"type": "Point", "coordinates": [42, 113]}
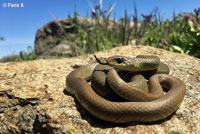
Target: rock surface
{"type": "Point", "coordinates": [33, 97]}
{"type": "Point", "coordinates": [63, 49]}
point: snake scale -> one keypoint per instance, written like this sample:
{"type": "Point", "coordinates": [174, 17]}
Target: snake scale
{"type": "Point", "coordinates": [144, 110]}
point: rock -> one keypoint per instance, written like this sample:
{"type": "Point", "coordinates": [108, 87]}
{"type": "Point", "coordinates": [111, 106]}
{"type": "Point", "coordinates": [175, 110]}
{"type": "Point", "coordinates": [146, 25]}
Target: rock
{"type": "Point", "coordinates": [52, 33]}
{"type": "Point", "coordinates": [63, 49]}
{"type": "Point", "coordinates": [33, 97]}
{"type": "Point", "coordinates": [47, 37]}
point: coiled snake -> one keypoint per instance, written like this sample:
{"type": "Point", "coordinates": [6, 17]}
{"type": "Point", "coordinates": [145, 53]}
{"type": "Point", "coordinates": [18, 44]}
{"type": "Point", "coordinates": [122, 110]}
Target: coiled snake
{"type": "Point", "coordinates": [145, 107]}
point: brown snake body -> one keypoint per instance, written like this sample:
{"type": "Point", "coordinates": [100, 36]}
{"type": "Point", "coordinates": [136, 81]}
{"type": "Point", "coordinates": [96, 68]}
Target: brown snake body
{"type": "Point", "coordinates": [123, 112]}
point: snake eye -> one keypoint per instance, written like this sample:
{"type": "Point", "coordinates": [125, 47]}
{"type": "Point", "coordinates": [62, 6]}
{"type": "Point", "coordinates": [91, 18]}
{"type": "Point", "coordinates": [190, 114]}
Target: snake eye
{"type": "Point", "coordinates": [119, 60]}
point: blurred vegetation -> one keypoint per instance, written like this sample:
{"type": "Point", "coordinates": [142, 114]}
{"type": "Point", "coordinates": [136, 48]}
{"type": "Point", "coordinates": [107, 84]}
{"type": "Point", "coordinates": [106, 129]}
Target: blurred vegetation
{"type": "Point", "coordinates": [23, 55]}
{"type": "Point", "coordinates": [182, 34]}
{"type": "Point", "coordinates": [99, 32]}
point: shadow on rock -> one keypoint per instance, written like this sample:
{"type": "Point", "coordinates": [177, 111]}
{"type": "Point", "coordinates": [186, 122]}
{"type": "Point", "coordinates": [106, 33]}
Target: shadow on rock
{"type": "Point", "coordinates": [95, 122]}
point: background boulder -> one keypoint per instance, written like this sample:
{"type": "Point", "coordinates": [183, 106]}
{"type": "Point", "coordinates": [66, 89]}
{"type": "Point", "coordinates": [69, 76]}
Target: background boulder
{"type": "Point", "coordinates": [48, 36]}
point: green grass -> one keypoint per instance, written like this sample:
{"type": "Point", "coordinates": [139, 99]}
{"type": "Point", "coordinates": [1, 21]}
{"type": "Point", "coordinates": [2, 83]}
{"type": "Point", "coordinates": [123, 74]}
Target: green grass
{"type": "Point", "coordinates": [22, 56]}
{"type": "Point", "coordinates": [181, 34]}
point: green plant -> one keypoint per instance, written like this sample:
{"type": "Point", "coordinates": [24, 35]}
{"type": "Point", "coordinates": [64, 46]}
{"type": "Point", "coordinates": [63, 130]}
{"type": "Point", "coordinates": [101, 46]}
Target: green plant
{"type": "Point", "coordinates": [182, 34]}
{"type": "Point", "coordinates": [100, 32]}
{"type": "Point", "coordinates": [188, 40]}
{"type": "Point", "coordinates": [56, 55]}
{"type": "Point", "coordinates": [96, 34]}
{"type": "Point", "coordinates": [30, 55]}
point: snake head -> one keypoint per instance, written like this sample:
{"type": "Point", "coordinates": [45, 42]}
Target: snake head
{"type": "Point", "coordinates": [120, 62]}
{"type": "Point", "coordinates": [112, 61]}
{"type": "Point", "coordinates": [139, 63]}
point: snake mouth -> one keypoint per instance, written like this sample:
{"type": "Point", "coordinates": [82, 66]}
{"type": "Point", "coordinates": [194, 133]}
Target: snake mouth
{"type": "Point", "coordinates": [99, 61]}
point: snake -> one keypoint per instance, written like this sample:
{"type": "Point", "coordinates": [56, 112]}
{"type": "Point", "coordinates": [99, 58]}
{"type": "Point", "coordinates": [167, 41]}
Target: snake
{"type": "Point", "coordinates": [144, 110]}
{"type": "Point", "coordinates": [99, 80]}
